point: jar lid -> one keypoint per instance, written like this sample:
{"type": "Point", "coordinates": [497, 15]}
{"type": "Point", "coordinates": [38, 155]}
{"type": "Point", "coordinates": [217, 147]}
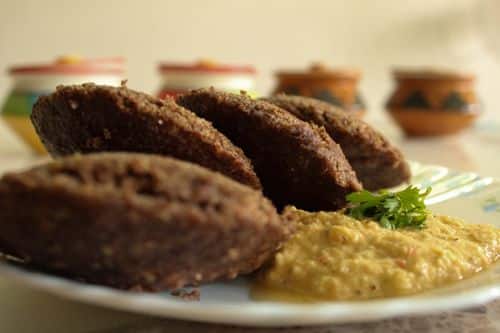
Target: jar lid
{"type": "Point", "coordinates": [430, 73]}
{"type": "Point", "coordinates": [206, 66]}
{"type": "Point", "coordinates": [320, 70]}
{"type": "Point", "coordinates": [71, 65]}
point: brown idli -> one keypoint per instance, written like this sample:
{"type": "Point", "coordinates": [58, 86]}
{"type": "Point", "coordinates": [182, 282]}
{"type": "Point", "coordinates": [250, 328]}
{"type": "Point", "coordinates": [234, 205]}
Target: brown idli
{"type": "Point", "coordinates": [297, 163]}
{"type": "Point", "coordinates": [377, 163]}
{"type": "Point", "coordinates": [91, 118]}
{"type": "Point", "coordinates": [136, 221]}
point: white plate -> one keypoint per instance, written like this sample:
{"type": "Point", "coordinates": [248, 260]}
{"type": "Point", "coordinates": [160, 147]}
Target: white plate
{"type": "Point", "coordinates": [459, 194]}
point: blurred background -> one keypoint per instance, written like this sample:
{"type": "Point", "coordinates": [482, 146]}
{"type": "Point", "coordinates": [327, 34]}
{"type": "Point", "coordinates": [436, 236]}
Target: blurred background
{"type": "Point", "coordinates": [373, 37]}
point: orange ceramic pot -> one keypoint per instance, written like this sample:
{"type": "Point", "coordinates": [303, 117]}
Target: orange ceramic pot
{"type": "Point", "coordinates": [430, 102]}
{"type": "Point", "coordinates": [336, 86]}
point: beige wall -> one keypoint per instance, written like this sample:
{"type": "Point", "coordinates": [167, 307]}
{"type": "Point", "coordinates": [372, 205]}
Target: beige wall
{"type": "Point", "coordinates": [371, 35]}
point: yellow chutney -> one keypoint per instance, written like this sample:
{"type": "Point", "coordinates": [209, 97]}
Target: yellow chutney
{"type": "Point", "coordinates": [335, 257]}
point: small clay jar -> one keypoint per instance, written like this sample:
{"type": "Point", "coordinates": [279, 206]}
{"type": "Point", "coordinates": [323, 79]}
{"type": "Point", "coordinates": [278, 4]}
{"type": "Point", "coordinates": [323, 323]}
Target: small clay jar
{"type": "Point", "coordinates": [178, 78]}
{"type": "Point", "coordinates": [29, 81]}
{"type": "Point", "coordinates": [335, 86]}
{"type": "Point", "coordinates": [432, 102]}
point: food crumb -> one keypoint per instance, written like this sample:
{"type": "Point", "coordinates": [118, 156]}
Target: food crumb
{"type": "Point", "coordinates": [193, 295]}
{"type": "Point", "coordinates": [73, 104]}
{"type": "Point", "coordinates": [136, 289]}
{"type": "Point", "coordinates": [106, 133]}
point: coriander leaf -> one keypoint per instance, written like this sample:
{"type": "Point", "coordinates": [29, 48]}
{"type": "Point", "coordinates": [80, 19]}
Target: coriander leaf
{"type": "Point", "coordinates": [361, 196]}
{"type": "Point", "coordinates": [391, 210]}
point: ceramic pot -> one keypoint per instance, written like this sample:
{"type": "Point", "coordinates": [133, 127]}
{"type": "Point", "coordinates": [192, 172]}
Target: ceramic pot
{"type": "Point", "coordinates": [336, 86]}
{"type": "Point", "coordinates": [177, 78]}
{"type": "Point", "coordinates": [431, 102]}
{"type": "Point", "coordinates": [31, 81]}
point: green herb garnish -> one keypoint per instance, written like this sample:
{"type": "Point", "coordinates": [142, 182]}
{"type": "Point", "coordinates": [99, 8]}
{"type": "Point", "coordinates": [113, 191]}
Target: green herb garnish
{"type": "Point", "coordinates": [391, 210]}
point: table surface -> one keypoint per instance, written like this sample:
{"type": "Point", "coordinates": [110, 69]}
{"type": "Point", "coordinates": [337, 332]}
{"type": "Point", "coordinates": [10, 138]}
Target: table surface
{"type": "Point", "coordinates": [478, 150]}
